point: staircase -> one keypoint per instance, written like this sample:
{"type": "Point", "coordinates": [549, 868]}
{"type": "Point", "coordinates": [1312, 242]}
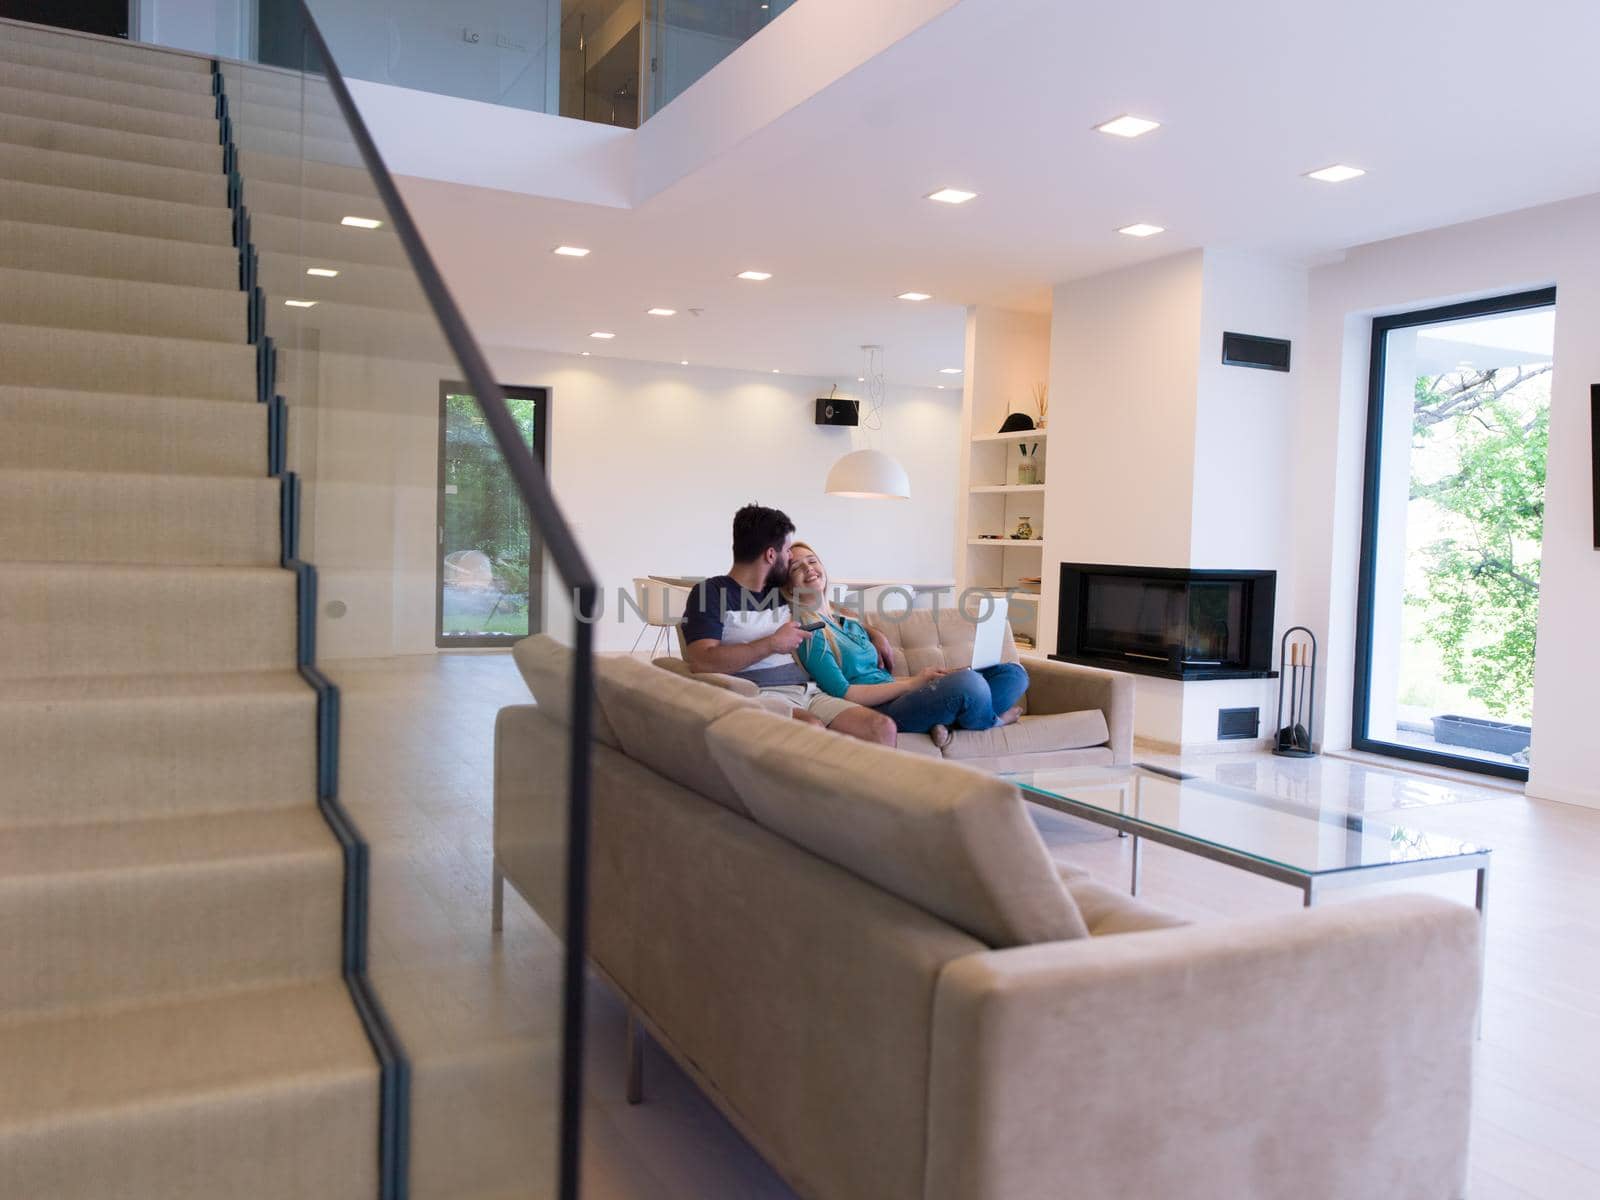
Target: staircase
{"type": "Point", "coordinates": [174, 1020]}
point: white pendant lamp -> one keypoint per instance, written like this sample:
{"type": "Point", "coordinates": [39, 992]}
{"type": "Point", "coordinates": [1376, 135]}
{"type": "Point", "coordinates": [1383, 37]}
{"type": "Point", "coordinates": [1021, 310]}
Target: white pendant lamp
{"type": "Point", "coordinates": [870, 474]}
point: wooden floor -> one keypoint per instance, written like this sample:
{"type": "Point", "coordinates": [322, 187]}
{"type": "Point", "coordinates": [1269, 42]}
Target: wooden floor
{"type": "Point", "coordinates": [420, 771]}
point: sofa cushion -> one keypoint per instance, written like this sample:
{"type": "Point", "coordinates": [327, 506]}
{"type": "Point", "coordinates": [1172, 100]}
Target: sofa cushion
{"type": "Point", "coordinates": [661, 718]}
{"type": "Point", "coordinates": [1031, 735]}
{"type": "Point", "coordinates": [956, 843]}
{"type": "Point", "coordinates": [917, 743]}
{"type": "Point", "coordinates": [1107, 911]}
{"type": "Point", "coordinates": [728, 683]}
{"type": "Point", "coordinates": [546, 667]}
{"type": "Point", "coordinates": [932, 638]}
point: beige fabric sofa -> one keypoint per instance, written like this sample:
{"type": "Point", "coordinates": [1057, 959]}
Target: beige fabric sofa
{"type": "Point", "coordinates": [1072, 715]}
{"type": "Point", "coordinates": [870, 964]}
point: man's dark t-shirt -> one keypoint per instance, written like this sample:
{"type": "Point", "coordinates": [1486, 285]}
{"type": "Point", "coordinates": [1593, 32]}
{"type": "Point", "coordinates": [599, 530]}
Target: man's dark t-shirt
{"type": "Point", "coordinates": [720, 610]}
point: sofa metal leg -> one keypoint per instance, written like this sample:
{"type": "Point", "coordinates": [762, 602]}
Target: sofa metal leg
{"type": "Point", "coordinates": [635, 1053]}
{"type": "Point", "coordinates": [498, 921]}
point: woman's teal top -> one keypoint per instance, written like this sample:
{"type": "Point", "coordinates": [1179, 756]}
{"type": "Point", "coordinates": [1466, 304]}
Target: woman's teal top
{"type": "Point", "coordinates": [859, 655]}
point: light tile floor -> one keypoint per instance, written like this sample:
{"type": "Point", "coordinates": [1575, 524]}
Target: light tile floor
{"type": "Point", "coordinates": [480, 1014]}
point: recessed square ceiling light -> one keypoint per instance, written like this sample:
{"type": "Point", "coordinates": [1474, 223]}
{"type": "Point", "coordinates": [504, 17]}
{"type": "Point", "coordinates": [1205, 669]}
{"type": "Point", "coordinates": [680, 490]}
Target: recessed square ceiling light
{"type": "Point", "coordinates": [913, 296]}
{"type": "Point", "coordinates": [1127, 126]}
{"type": "Point", "coordinates": [758, 276]}
{"type": "Point", "coordinates": [571, 251]}
{"type": "Point", "coordinates": [1140, 229]}
{"type": "Point", "coordinates": [1337, 173]}
{"type": "Point", "coordinates": [361, 222]}
{"type": "Point", "coordinates": [952, 196]}
{"type": "Point", "coordinates": [322, 272]}
{"type": "Point", "coordinates": [601, 333]}
{"type": "Point", "coordinates": [774, 370]}
{"type": "Point", "coordinates": [585, 354]}
{"type": "Point", "coordinates": [949, 370]}
{"type": "Point", "coordinates": [661, 312]}
{"type": "Point", "coordinates": [683, 362]}
{"type": "Point", "coordinates": [301, 303]}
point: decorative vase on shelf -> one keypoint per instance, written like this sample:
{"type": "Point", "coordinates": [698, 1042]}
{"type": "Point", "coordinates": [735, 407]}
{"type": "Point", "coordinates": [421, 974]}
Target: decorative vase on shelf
{"type": "Point", "coordinates": [1024, 531]}
{"type": "Point", "coordinates": [1027, 472]}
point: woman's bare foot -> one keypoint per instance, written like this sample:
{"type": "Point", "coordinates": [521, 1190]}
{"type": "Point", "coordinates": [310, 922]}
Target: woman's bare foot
{"type": "Point", "coordinates": [940, 735]}
{"type": "Point", "coordinates": [1010, 717]}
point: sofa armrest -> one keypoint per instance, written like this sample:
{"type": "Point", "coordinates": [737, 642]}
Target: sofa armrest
{"type": "Point", "coordinates": [1321, 1053]}
{"type": "Point", "coordinates": [739, 687]}
{"type": "Point", "coordinates": [1058, 687]}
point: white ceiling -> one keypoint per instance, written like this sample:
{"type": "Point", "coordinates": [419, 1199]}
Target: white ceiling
{"type": "Point", "coordinates": [1457, 110]}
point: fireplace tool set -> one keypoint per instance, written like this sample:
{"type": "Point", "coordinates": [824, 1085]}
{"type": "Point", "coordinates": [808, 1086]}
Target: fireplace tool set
{"type": "Point", "coordinates": [1297, 676]}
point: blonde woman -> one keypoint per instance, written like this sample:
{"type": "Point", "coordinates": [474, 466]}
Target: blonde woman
{"type": "Point", "coordinates": [840, 657]}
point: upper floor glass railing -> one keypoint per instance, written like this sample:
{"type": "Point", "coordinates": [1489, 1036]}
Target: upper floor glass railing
{"type": "Point", "coordinates": [615, 62]}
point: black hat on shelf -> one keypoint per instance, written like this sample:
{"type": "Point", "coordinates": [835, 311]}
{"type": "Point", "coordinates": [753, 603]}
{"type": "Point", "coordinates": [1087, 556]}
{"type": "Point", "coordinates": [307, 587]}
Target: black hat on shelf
{"type": "Point", "coordinates": [1016, 423]}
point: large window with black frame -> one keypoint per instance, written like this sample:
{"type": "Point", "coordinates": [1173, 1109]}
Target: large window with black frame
{"type": "Point", "coordinates": [490, 563]}
{"type": "Point", "coordinates": [1457, 427]}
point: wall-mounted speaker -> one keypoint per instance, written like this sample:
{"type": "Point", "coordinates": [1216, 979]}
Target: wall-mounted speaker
{"type": "Point", "coordinates": [834, 411]}
{"type": "Point", "coordinates": [1248, 350]}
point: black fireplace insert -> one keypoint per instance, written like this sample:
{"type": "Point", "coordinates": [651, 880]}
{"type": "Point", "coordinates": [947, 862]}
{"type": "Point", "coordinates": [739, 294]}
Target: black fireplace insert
{"type": "Point", "coordinates": [1170, 622]}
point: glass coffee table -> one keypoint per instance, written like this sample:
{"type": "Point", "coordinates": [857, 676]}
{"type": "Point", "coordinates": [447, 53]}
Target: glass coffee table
{"type": "Point", "coordinates": [1308, 847]}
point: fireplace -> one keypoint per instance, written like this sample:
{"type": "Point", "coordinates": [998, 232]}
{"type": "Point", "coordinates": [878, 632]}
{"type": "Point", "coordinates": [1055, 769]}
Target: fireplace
{"type": "Point", "coordinates": [1175, 623]}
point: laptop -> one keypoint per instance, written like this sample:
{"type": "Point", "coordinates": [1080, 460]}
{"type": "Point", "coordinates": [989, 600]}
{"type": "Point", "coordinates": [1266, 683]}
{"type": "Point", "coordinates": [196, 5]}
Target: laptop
{"type": "Point", "coordinates": [989, 636]}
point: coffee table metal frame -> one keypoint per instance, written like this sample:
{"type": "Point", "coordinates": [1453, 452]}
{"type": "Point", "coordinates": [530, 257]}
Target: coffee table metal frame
{"type": "Point", "coordinates": [1310, 883]}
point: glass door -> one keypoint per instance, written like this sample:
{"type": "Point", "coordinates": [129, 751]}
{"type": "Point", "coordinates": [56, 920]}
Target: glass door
{"type": "Point", "coordinates": [1458, 424]}
{"type": "Point", "coordinates": [491, 562]}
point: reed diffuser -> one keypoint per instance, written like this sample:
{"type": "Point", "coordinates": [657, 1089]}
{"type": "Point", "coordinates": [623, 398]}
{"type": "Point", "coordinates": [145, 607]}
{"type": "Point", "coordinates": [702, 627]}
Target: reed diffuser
{"type": "Point", "coordinates": [1028, 468]}
{"type": "Point", "coordinates": [1041, 401]}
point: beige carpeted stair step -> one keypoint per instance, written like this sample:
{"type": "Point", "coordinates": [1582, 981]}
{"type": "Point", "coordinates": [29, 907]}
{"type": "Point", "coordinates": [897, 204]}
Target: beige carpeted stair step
{"type": "Point", "coordinates": [169, 72]}
{"type": "Point", "coordinates": [91, 173]}
{"type": "Point", "coordinates": [163, 746]}
{"type": "Point", "coordinates": [29, 246]}
{"type": "Point", "coordinates": [258, 84]}
{"type": "Point", "coordinates": [75, 208]}
{"type": "Point", "coordinates": [177, 520]}
{"type": "Point", "coordinates": [44, 133]}
{"type": "Point", "coordinates": [93, 361]}
{"type": "Point", "coordinates": [262, 163]}
{"type": "Point", "coordinates": [328, 239]}
{"type": "Point", "coordinates": [136, 910]}
{"type": "Point", "coordinates": [378, 333]}
{"type": "Point", "coordinates": [366, 284]}
{"type": "Point", "coordinates": [67, 619]}
{"type": "Point", "coordinates": [164, 310]}
{"type": "Point", "coordinates": [193, 102]}
{"type": "Point", "coordinates": [55, 429]}
{"type": "Point", "coordinates": [107, 48]}
{"type": "Point", "coordinates": [99, 114]}
{"type": "Point", "coordinates": [266, 1094]}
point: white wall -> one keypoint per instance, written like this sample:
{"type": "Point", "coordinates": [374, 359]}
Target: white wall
{"type": "Point", "coordinates": [1162, 456]}
{"type": "Point", "coordinates": [1554, 244]}
{"type": "Point", "coordinates": [1123, 373]}
{"type": "Point", "coordinates": [650, 461]}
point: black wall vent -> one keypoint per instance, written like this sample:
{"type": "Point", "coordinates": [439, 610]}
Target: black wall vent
{"type": "Point", "coordinates": [1238, 723]}
{"type": "Point", "coordinates": [1247, 350]}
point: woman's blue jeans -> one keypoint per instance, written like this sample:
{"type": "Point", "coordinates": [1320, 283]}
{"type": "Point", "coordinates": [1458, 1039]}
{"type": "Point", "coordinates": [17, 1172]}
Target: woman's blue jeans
{"type": "Point", "coordinates": [963, 699]}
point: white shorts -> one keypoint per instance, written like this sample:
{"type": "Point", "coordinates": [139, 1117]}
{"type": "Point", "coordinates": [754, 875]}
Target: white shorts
{"type": "Point", "coordinates": [787, 697]}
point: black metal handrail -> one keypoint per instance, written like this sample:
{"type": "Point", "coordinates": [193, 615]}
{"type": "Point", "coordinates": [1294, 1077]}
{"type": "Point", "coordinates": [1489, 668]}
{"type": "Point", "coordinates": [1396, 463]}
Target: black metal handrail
{"type": "Point", "coordinates": [570, 565]}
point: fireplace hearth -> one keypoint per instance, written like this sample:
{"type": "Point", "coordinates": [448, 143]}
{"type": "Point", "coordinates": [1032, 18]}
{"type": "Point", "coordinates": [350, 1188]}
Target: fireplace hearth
{"type": "Point", "coordinates": [1169, 622]}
